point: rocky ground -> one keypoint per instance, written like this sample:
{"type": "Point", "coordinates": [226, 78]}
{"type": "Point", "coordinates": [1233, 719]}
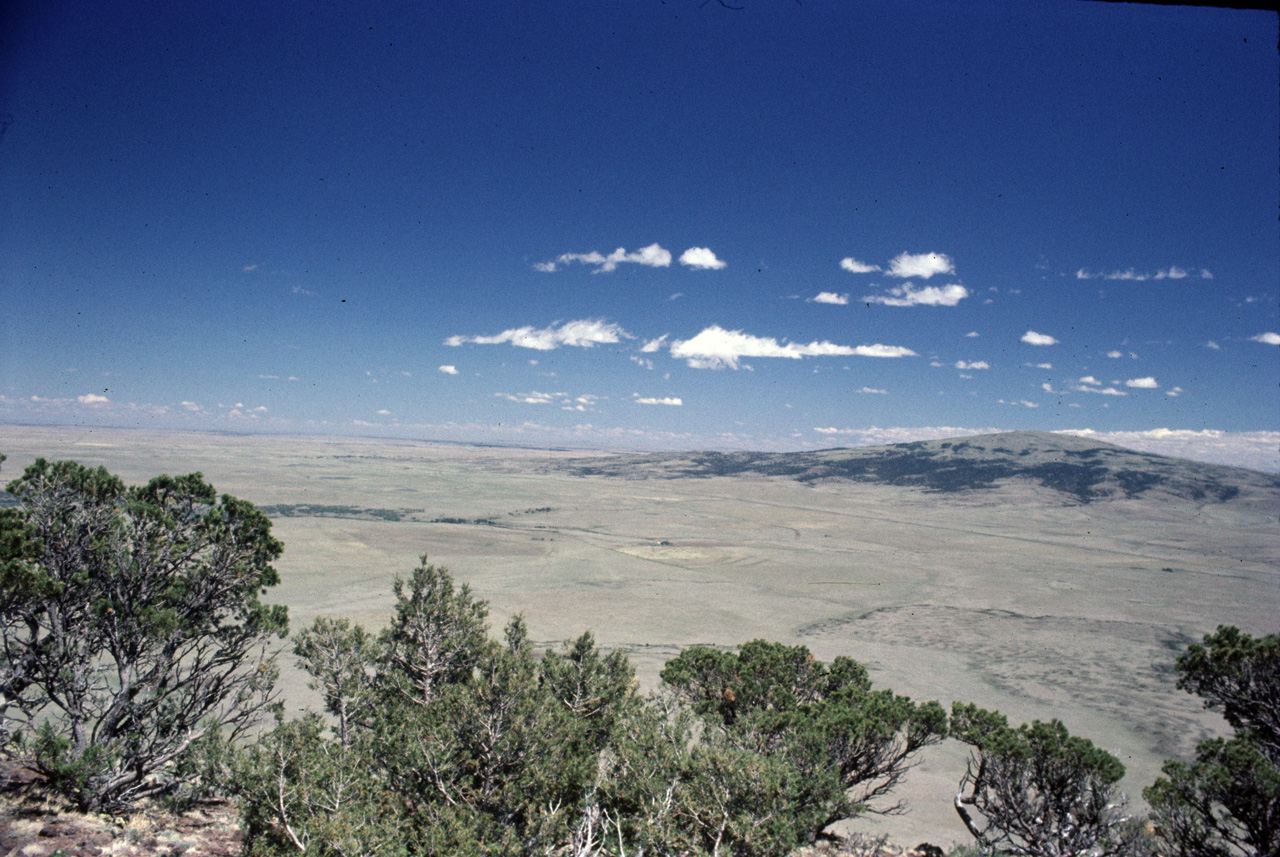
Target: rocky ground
{"type": "Point", "coordinates": [36, 824]}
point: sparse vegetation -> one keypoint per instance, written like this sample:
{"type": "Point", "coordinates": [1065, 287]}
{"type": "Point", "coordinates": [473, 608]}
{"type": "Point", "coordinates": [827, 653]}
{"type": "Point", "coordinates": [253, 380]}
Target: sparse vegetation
{"type": "Point", "coordinates": [439, 739]}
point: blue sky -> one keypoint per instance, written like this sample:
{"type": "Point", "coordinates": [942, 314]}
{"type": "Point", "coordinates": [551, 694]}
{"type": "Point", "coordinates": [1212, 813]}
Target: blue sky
{"type": "Point", "coordinates": [644, 224]}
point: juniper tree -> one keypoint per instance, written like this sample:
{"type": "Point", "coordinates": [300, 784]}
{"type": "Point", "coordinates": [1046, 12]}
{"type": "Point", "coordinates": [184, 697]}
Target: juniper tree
{"type": "Point", "coordinates": [1037, 790]}
{"type": "Point", "coordinates": [1227, 802]}
{"type": "Point", "coordinates": [132, 627]}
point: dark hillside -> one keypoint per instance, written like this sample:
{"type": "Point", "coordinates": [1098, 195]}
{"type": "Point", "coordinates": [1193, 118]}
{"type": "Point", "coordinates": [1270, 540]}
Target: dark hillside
{"type": "Point", "coordinates": [1082, 470]}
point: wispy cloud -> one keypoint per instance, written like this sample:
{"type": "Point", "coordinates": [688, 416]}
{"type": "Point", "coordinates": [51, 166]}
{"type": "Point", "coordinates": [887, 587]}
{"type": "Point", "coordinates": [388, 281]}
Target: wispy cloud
{"type": "Point", "coordinates": [1268, 338]}
{"type": "Point", "coordinates": [976, 364]}
{"type": "Point", "coordinates": [872, 391]}
{"type": "Point", "coordinates": [853, 266]}
{"type": "Point", "coordinates": [566, 402]}
{"type": "Point", "coordinates": [653, 256]}
{"type": "Point", "coordinates": [533, 398]}
{"type": "Point", "coordinates": [829, 298]}
{"type": "Point", "coordinates": [909, 295]}
{"type": "Point", "coordinates": [449, 370]}
{"type": "Point", "coordinates": [921, 265]}
{"type": "Point", "coordinates": [717, 348]}
{"type": "Point", "coordinates": [649, 400]}
{"type": "Point", "coordinates": [1033, 338]}
{"type": "Point", "coordinates": [1173, 272]}
{"type": "Point", "coordinates": [584, 333]}
{"type": "Point", "coordinates": [1090, 384]}
{"type": "Point", "coordinates": [1023, 403]}
{"type": "Point", "coordinates": [701, 258]}
{"type": "Point", "coordinates": [654, 345]}
{"type": "Point", "coordinates": [299, 290]}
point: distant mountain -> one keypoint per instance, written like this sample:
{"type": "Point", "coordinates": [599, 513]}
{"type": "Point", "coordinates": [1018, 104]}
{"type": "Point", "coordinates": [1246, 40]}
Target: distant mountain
{"type": "Point", "coordinates": [1082, 470]}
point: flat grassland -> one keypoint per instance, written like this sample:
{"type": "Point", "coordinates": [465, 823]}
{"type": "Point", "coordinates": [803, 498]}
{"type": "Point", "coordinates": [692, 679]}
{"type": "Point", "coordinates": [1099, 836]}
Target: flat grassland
{"type": "Point", "coordinates": [1012, 597]}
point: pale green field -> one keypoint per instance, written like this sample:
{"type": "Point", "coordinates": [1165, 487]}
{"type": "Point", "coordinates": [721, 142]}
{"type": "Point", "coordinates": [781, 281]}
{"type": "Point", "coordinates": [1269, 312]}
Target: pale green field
{"type": "Point", "coordinates": [1009, 598]}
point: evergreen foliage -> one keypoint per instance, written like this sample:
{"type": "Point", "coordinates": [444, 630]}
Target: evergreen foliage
{"type": "Point", "coordinates": [466, 745]}
{"type": "Point", "coordinates": [1227, 802]}
{"type": "Point", "coordinates": [132, 628]}
{"type": "Point", "coordinates": [1037, 790]}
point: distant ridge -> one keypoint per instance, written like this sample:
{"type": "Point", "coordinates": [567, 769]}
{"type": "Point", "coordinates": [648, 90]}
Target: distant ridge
{"type": "Point", "coordinates": [1081, 469]}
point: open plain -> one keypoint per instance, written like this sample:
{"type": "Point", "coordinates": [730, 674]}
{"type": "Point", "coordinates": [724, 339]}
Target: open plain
{"type": "Point", "coordinates": [1042, 575]}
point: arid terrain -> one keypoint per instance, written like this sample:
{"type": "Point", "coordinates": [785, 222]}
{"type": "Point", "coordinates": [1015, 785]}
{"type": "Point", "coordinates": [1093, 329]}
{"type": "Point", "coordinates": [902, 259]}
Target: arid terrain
{"type": "Point", "coordinates": [1042, 575]}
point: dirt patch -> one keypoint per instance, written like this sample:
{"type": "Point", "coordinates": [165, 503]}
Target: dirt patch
{"type": "Point", "coordinates": [34, 823]}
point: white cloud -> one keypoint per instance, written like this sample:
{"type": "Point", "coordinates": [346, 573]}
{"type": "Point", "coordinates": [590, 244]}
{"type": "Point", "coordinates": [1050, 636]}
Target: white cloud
{"type": "Point", "coordinates": [1020, 403]}
{"type": "Point", "coordinates": [1268, 338]}
{"type": "Point", "coordinates": [582, 334]}
{"type": "Point", "coordinates": [449, 370]}
{"type": "Point", "coordinates": [1147, 383]}
{"type": "Point", "coordinates": [909, 295]}
{"type": "Point", "coordinates": [701, 258]}
{"type": "Point", "coordinates": [1044, 366]}
{"type": "Point", "coordinates": [191, 406]}
{"type": "Point", "coordinates": [643, 361]}
{"type": "Point", "coordinates": [383, 412]}
{"type": "Point", "coordinates": [922, 265]}
{"type": "Point", "coordinates": [1175, 392]}
{"type": "Point", "coordinates": [652, 256]}
{"type": "Point", "coordinates": [829, 298]}
{"type": "Point", "coordinates": [853, 266]}
{"type": "Point", "coordinates": [92, 399]}
{"type": "Point", "coordinates": [973, 334]}
{"type": "Point", "coordinates": [717, 348]}
{"type": "Point", "coordinates": [647, 400]}
{"type": "Point", "coordinates": [1115, 354]}
{"type": "Point", "coordinates": [1213, 345]}
{"type": "Point", "coordinates": [976, 364]}
{"type": "Point", "coordinates": [1033, 338]}
{"type": "Point", "coordinates": [872, 391]}
{"type": "Point", "coordinates": [1173, 272]}
{"type": "Point", "coordinates": [299, 290]}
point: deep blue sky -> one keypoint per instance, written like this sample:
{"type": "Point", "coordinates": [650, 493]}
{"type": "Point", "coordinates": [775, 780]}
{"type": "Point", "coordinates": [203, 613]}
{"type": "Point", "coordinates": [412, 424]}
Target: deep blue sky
{"type": "Point", "coordinates": [310, 217]}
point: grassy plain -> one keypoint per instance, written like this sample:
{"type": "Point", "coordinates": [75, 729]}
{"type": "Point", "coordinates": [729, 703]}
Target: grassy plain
{"type": "Point", "coordinates": [1013, 597]}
